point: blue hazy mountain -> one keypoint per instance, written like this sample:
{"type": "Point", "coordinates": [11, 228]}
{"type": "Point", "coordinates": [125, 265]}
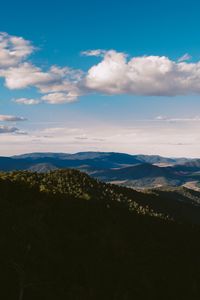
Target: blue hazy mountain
{"type": "Point", "coordinates": [129, 170]}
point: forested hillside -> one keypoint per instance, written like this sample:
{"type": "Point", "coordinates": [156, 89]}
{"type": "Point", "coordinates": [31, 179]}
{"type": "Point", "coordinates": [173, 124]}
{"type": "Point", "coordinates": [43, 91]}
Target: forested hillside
{"type": "Point", "coordinates": [67, 236]}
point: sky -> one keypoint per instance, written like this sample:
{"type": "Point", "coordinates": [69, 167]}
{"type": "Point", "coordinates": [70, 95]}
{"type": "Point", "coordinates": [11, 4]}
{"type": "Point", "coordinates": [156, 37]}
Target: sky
{"type": "Point", "coordinates": [120, 76]}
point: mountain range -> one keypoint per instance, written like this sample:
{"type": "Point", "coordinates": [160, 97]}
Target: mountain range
{"type": "Point", "coordinates": [136, 171]}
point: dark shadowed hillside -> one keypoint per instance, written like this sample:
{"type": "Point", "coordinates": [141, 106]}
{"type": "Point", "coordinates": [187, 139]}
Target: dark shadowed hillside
{"type": "Point", "coordinates": [67, 236]}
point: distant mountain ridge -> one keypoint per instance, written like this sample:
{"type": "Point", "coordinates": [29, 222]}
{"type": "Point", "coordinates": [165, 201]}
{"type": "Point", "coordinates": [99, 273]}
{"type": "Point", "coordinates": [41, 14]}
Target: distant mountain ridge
{"type": "Point", "coordinates": [142, 175]}
{"type": "Point", "coordinates": [138, 171]}
{"type": "Point", "coordinates": [153, 159]}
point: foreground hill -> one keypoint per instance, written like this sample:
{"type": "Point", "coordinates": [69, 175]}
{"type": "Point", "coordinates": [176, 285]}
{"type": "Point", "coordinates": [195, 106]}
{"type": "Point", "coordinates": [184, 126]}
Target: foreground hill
{"type": "Point", "coordinates": [179, 204]}
{"type": "Point", "coordinates": [67, 236]}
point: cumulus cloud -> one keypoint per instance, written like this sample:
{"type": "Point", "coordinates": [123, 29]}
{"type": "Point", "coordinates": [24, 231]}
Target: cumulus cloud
{"type": "Point", "coordinates": [116, 73]}
{"type": "Point", "coordinates": [8, 118]}
{"type": "Point", "coordinates": [26, 75]}
{"type": "Point", "coordinates": [27, 101]}
{"type": "Point", "coordinates": [13, 50]}
{"type": "Point", "coordinates": [147, 75]}
{"type": "Point", "coordinates": [56, 80]}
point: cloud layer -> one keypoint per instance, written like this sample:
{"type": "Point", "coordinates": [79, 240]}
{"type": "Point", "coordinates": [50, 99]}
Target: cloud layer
{"type": "Point", "coordinates": [175, 139]}
{"type": "Point", "coordinates": [116, 73]}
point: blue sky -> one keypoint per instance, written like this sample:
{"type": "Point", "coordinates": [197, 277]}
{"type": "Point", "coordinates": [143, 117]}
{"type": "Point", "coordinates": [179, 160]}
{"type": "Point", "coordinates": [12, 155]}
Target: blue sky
{"type": "Point", "coordinates": [155, 112]}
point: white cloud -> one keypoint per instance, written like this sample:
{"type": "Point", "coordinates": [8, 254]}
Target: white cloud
{"type": "Point", "coordinates": [26, 75]}
{"type": "Point", "coordinates": [147, 75]}
{"type": "Point", "coordinates": [55, 80]}
{"type": "Point", "coordinates": [168, 119]}
{"type": "Point", "coordinates": [97, 52]}
{"type": "Point", "coordinates": [19, 73]}
{"type": "Point", "coordinates": [13, 50]}
{"type": "Point", "coordinates": [161, 118]}
{"type": "Point", "coordinates": [116, 73]}
{"type": "Point", "coordinates": [59, 98]}
{"type": "Point", "coordinates": [8, 118]}
{"type": "Point", "coordinates": [185, 57]}
{"type": "Point", "coordinates": [27, 101]}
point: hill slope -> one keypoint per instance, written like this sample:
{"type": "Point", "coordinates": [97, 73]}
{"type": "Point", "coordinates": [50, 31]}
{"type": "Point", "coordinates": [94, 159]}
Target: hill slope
{"type": "Point", "coordinates": [142, 175]}
{"type": "Point", "coordinates": [67, 236]}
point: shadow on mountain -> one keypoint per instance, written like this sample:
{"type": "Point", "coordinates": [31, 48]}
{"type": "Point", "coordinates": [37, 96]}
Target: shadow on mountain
{"type": "Point", "coordinates": [67, 236]}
